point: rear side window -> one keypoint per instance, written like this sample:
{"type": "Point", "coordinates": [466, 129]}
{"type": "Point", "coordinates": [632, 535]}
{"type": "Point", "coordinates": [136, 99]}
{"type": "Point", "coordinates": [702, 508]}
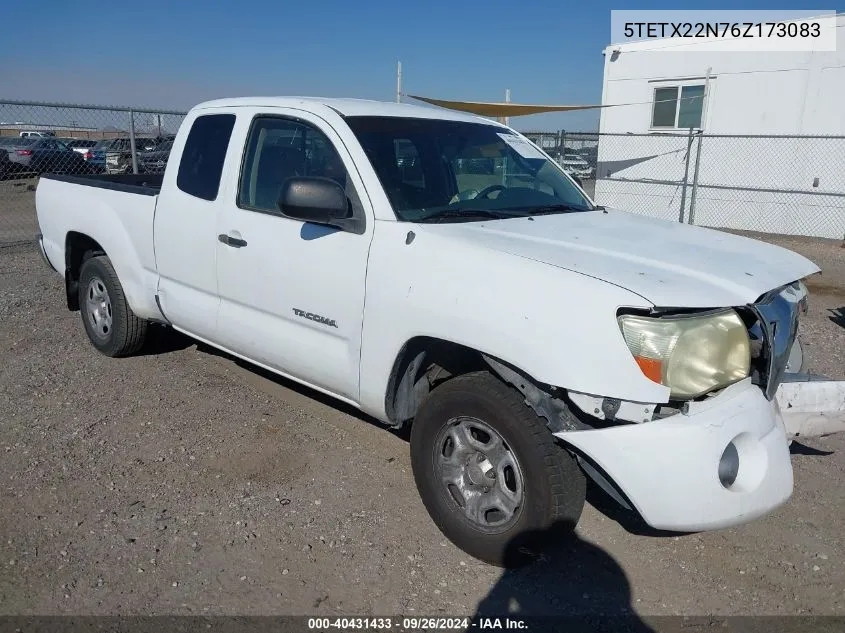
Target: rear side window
{"type": "Point", "coordinates": [203, 156]}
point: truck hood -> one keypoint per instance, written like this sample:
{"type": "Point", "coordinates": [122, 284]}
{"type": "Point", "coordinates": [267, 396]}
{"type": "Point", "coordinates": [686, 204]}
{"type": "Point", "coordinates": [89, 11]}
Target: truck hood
{"type": "Point", "coordinates": [667, 263]}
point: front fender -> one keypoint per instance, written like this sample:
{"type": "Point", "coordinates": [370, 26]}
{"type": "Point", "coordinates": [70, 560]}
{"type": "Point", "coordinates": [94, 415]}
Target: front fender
{"type": "Point", "coordinates": [555, 325]}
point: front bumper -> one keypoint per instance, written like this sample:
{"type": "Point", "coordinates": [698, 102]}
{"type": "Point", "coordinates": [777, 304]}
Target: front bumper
{"type": "Point", "coordinates": [668, 469]}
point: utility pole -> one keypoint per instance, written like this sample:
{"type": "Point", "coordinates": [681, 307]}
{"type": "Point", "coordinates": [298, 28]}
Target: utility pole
{"type": "Point", "coordinates": [398, 82]}
{"type": "Point", "coordinates": [507, 119]}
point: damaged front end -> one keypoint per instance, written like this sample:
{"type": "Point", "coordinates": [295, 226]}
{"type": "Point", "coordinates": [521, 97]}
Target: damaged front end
{"type": "Point", "coordinates": [715, 453]}
{"type": "Point", "coordinates": [809, 404]}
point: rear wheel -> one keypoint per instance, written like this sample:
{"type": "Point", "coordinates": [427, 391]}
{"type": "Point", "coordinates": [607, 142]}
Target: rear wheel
{"type": "Point", "coordinates": [490, 473]}
{"type": "Point", "coordinates": [109, 322]}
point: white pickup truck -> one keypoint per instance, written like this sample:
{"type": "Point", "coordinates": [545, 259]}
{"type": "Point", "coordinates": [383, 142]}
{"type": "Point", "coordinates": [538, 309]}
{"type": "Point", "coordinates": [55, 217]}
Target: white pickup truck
{"type": "Point", "coordinates": [437, 269]}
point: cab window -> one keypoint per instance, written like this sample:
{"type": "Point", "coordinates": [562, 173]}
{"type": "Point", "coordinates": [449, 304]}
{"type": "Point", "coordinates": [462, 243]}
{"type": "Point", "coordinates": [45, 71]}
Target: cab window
{"type": "Point", "coordinates": [279, 149]}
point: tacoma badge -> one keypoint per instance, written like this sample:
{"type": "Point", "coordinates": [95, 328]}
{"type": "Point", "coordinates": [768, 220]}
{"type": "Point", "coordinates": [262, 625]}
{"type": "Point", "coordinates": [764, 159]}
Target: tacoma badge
{"type": "Point", "coordinates": [314, 317]}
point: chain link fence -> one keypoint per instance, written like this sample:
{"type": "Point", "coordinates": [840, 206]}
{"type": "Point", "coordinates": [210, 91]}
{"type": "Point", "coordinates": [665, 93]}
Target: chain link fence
{"type": "Point", "coordinates": [792, 185]}
{"type": "Point", "coordinates": [39, 138]}
{"type": "Point", "coordinates": [788, 185]}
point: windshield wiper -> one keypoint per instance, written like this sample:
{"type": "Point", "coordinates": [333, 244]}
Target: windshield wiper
{"type": "Point", "coordinates": [550, 209]}
{"type": "Point", "coordinates": [463, 213]}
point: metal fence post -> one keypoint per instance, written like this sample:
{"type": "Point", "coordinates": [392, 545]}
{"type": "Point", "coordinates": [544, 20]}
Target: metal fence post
{"type": "Point", "coordinates": [559, 146]}
{"type": "Point", "coordinates": [132, 142]}
{"type": "Point", "coordinates": [695, 179]}
{"type": "Point", "coordinates": [686, 177]}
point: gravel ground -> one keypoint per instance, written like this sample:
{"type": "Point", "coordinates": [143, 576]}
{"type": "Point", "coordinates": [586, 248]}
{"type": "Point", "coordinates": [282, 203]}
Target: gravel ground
{"type": "Point", "coordinates": [182, 482]}
{"type": "Point", "coordinates": [17, 210]}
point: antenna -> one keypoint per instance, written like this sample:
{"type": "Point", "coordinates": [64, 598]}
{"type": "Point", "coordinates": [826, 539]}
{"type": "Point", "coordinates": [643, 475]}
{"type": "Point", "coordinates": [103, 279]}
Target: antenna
{"type": "Point", "coordinates": [398, 82]}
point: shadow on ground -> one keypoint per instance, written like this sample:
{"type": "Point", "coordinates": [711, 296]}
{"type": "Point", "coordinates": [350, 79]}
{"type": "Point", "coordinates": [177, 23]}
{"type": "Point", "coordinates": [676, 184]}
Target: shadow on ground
{"type": "Point", "coordinates": [292, 385]}
{"type": "Point", "coordinates": [571, 585]}
{"type": "Point", "coordinates": [630, 520]}
{"type": "Point", "coordinates": [164, 340]}
{"type": "Point", "coordinates": [837, 315]}
{"type": "Point", "coordinates": [796, 448]}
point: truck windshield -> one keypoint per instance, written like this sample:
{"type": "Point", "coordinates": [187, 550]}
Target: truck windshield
{"type": "Point", "coordinates": [434, 170]}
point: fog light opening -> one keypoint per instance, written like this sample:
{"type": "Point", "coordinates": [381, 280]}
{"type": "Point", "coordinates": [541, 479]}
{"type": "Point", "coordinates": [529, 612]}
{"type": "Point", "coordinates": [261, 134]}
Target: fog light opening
{"type": "Point", "coordinates": [729, 466]}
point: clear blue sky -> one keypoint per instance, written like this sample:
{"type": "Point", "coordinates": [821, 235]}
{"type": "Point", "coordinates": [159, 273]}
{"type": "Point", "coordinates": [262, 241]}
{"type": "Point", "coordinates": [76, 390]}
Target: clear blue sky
{"type": "Point", "coordinates": [174, 54]}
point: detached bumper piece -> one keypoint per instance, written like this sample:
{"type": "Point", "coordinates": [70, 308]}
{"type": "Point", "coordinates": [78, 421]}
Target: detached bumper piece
{"type": "Point", "coordinates": [811, 405]}
{"type": "Point", "coordinates": [724, 462]}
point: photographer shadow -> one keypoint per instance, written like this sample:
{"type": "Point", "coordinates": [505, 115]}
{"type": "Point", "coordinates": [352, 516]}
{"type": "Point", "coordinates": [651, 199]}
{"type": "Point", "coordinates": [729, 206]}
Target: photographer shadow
{"type": "Point", "coordinates": [555, 581]}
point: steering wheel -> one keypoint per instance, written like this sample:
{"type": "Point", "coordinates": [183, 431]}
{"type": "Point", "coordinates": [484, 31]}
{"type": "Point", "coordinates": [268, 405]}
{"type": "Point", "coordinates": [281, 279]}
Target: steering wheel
{"type": "Point", "coordinates": [484, 193]}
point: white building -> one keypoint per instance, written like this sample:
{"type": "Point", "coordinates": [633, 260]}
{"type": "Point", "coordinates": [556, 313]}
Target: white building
{"type": "Point", "coordinates": [775, 185]}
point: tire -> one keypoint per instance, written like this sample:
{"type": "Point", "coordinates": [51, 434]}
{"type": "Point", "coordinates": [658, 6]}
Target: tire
{"type": "Point", "coordinates": [553, 487]}
{"type": "Point", "coordinates": [109, 322]}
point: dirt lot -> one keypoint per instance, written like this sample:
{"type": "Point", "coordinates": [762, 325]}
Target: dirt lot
{"type": "Point", "coordinates": [181, 482]}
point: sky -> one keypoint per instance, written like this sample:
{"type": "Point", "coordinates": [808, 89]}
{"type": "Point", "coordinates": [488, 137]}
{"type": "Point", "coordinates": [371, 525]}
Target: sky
{"type": "Point", "coordinates": [175, 54]}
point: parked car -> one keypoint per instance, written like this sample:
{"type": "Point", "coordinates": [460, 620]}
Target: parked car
{"type": "Point", "coordinates": [80, 145]}
{"type": "Point", "coordinates": [5, 164]}
{"type": "Point", "coordinates": [42, 155]}
{"type": "Point", "coordinates": [36, 134]}
{"type": "Point", "coordinates": [529, 338]}
{"type": "Point", "coordinates": [114, 155]}
{"type": "Point", "coordinates": [575, 165]}
{"type": "Point", "coordinates": [7, 142]}
{"type": "Point", "coordinates": [154, 161]}
{"type": "Point", "coordinates": [160, 140]}
{"type": "Point", "coordinates": [590, 154]}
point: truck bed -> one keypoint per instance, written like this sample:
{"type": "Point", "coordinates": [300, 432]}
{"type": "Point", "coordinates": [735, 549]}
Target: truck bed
{"type": "Point", "coordinates": [144, 184]}
{"type": "Point", "coordinates": [114, 211]}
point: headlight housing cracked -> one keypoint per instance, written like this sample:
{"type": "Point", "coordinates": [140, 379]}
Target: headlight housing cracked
{"type": "Point", "coordinates": [690, 353]}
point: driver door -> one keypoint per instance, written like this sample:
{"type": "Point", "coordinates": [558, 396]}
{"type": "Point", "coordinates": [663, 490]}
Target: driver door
{"type": "Point", "coordinates": [292, 292]}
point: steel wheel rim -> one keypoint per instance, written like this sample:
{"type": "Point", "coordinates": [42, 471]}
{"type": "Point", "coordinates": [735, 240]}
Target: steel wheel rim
{"type": "Point", "coordinates": [479, 474]}
{"type": "Point", "coordinates": [98, 308]}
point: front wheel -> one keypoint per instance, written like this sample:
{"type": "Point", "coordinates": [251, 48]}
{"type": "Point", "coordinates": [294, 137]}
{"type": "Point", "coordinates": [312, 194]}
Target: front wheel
{"type": "Point", "coordinates": [490, 473]}
{"type": "Point", "coordinates": [109, 322]}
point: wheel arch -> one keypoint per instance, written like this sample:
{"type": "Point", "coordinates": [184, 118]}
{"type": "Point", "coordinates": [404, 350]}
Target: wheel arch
{"type": "Point", "coordinates": [424, 362]}
{"type": "Point", "coordinates": [78, 248]}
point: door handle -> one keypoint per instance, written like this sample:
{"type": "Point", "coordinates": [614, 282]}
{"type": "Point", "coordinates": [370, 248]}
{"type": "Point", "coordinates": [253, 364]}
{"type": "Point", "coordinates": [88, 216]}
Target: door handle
{"type": "Point", "coordinates": [234, 242]}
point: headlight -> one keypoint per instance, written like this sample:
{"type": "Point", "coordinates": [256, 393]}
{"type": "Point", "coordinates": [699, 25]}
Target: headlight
{"type": "Point", "coordinates": [690, 354]}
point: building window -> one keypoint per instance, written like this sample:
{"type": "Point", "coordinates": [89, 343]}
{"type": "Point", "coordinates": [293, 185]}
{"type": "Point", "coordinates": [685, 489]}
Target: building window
{"type": "Point", "coordinates": [670, 111]}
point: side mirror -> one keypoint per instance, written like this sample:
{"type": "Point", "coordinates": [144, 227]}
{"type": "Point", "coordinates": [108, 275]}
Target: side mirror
{"type": "Point", "coordinates": [320, 201]}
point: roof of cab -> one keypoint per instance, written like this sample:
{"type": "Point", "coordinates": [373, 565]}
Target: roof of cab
{"type": "Point", "coordinates": [348, 107]}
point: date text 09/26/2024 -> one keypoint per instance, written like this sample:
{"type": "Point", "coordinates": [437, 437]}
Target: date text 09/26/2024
{"type": "Point", "coordinates": [415, 624]}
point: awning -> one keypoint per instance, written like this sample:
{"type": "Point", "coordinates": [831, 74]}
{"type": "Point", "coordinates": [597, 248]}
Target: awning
{"type": "Point", "coordinates": [494, 109]}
